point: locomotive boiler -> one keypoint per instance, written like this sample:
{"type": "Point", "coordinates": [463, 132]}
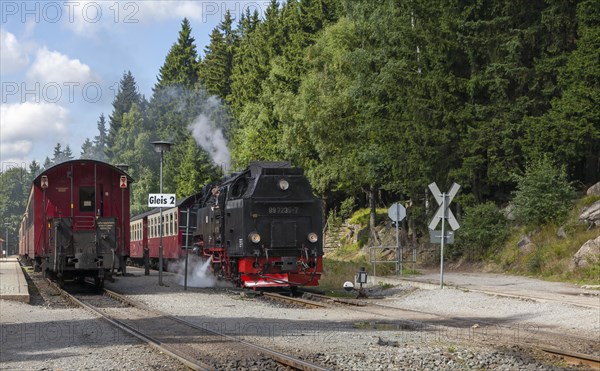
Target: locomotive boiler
{"type": "Point", "coordinates": [262, 227]}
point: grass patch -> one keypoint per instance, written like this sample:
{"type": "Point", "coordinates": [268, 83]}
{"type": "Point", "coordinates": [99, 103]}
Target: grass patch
{"type": "Point", "coordinates": [362, 216]}
{"type": "Point", "coordinates": [336, 272]}
{"type": "Point", "coordinates": [551, 258]}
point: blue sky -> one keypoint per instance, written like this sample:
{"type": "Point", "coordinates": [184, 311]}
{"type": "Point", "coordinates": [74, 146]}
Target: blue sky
{"type": "Point", "coordinates": [61, 62]}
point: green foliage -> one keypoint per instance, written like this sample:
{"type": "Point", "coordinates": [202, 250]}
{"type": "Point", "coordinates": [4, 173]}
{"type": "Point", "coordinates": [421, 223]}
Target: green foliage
{"type": "Point", "coordinates": [543, 193]}
{"type": "Point", "coordinates": [14, 190]}
{"type": "Point", "coordinates": [361, 217]}
{"type": "Point", "coordinates": [126, 96]}
{"type": "Point", "coordinates": [483, 229]}
{"type": "Point", "coordinates": [181, 63]}
{"type": "Point", "coordinates": [216, 69]}
{"type": "Point", "coordinates": [338, 271]}
{"type": "Point", "coordinates": [346, 208]}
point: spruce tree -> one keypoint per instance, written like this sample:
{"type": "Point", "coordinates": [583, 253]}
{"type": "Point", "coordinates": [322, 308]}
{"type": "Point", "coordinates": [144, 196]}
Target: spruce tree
{"type": "Point", "coordinates": [87, 149]}
{"type": "Point", "coordinates": [177, 100]}
{"type": "Point", "coordinates": [100, 140]}
{"type": "Point", "coordinates": [216, 68]}
{"type": "Point", "coordinates": [126, 96]}
{"type": "Point", "coordinates": [34, 170]}
{"type": "Point", "coordinates": [181, 64]}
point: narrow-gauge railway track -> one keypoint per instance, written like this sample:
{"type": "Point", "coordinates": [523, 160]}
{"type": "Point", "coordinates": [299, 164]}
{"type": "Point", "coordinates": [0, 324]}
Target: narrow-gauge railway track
{"type": "Point", "coordinates": [473, 329]}
{"type": "Point", "coordinates": [195, 346]}
{"type": "Point", "coordinates": [576, 358]}
{"type": "Point", "coordinates": [293, 300]}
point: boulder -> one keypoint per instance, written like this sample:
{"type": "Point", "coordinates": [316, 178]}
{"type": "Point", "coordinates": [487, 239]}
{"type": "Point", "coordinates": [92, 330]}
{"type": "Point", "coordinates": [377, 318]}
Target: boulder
{"type": "Point", "coordinates": [594, 190]}
{"type": "Point", "coordinates": [561, 233]}
{"type": "Point", "coordinates": [591, 214]}
{"type": "Point", "coordinates": [588, 254]}
{"type": "Point", "coordinates": [525, 244]}
{"type": "Point", "coordinates": [509, 212]}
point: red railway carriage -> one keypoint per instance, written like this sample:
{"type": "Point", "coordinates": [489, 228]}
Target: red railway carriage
{"type": "Point", "coordinates": [76, 220]}
{"type": "Point", "coordinates": [145, 232]}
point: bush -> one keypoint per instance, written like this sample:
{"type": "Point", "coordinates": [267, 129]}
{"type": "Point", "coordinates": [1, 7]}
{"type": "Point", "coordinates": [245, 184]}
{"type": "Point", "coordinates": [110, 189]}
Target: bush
{"type": "Point", "coordinates": [543, 194]}
{"type": "Point", "coordinates": [483, 228]}
{"type": "Point", "coordinates": [361, 217]}
{"type": "Point", "coordinates": [346, 208]}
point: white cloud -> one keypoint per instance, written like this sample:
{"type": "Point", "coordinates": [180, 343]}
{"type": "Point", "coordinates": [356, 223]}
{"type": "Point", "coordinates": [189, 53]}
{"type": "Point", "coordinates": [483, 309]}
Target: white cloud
{"type": "Point", "coordinates": [55, 67]}
{"type": "Point", "coordinates": [164, 10]}
{"type": "Point", "coordinates": [26, 124]}
{"type": "Point", "coordinates": [13, 57]}
{"type": "Point", "coordinates": [86, 18]}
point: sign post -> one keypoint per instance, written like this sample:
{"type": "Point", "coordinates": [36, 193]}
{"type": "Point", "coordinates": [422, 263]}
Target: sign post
{"type": "Point", "coordinates": [161, 200]}
{"type": "Point", "coordinates": [397, 213]}
{"type": "Point", "coordinates": [443, 213]}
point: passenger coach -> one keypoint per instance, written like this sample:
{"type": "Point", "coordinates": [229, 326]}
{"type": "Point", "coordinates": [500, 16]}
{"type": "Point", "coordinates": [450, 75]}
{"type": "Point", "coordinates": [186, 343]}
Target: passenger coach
{"type": "Point", "coordinates": [76, 222]}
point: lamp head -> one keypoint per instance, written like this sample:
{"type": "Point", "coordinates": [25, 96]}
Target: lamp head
{"type": "Point", "coordinates": [123, 167]}
{"type": "Point", "coordinates": [162, 146]}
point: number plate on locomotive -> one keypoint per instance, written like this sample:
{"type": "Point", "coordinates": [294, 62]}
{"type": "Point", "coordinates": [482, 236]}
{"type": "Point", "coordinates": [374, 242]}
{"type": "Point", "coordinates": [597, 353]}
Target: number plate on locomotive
{"type": "Point", "coordinates": [284, 210]}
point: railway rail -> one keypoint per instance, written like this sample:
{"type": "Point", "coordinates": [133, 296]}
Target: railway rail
{"type": "Point", "coordinates": [195, 346]}
{"type": "Point", "coordinates": [528, 335]}
{"type": "Point", "coordinates": [575, 358]}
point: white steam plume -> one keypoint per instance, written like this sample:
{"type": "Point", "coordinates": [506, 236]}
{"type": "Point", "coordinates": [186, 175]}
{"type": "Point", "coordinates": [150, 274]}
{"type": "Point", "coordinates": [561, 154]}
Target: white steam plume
{"type": "Point", "coordinates": [210, 137]}
{"type": "Point", "coordinates": [198, 273]}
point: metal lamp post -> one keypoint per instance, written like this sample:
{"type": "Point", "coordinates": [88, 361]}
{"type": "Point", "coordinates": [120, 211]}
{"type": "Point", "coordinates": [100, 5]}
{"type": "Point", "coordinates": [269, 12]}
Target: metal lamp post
{"type": "Point", "coordinates": [6, 243]}
{"type": "Point", "coordinates": [162, 147]}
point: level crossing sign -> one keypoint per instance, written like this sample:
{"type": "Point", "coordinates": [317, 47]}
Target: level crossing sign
{"type": "Point", "coordinates": [444, 212]}
{"type": "Point", "coordinates": [123, 181]}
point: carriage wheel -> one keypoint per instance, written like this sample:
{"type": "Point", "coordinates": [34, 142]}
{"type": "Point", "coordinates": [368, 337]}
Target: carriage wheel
{"type": "Point", "coordinates": [99, 283]}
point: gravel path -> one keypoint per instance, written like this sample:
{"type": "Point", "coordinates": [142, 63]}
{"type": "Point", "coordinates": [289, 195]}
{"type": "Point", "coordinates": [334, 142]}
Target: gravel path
{"type": "Point", "coordinates": [337, 338]}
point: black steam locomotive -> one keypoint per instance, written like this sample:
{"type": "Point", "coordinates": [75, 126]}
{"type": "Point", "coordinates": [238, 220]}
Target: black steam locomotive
{"type": "Point", "coordinates": [262, 227]}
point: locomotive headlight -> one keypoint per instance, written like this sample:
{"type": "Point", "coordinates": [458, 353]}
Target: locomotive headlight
{"type": "Point", "coordinates": [284, 185]}
{"type": "Point", "coordinates": [254, 237]}
{"type": "Point", "coordinates": [312, 237]}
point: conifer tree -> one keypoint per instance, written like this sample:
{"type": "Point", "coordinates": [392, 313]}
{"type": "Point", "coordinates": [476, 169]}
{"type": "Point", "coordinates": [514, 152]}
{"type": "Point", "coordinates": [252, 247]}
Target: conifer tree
{"type": "Point", "coordinates": [126, 96]}
{"type": "Point", "coordinates": [216, 68]}
{"type": "Point", "coordinates": [570, 131]}
{"type": "Point", "coordinates": [100, 140]}
{"type": "Point", "coordinates": [68, 154]}
{"type": "Point", "coordinates": [87, 149]}
{"type": "Point", "coordinates": [181, 64]}
{"type": "Point", "coordinates": [34, 169]}
{"type": "Point", "coordinates": [177, 101]}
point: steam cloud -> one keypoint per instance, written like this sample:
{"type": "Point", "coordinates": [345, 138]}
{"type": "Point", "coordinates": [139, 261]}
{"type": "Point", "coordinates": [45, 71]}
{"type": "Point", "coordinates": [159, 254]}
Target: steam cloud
{"type": "Point", "coordinates": [210, 137]}
{"type": "Point", "coordinates": [198, 274]}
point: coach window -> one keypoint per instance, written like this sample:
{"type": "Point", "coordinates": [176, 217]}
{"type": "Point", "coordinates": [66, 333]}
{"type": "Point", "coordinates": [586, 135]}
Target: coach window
{"type": "Point", "coordinates": [87, 196]}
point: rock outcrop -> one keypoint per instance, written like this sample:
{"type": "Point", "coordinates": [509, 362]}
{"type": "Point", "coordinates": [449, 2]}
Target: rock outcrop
{"type": "Point", "coordinates": [594, 190]}
{"type": "Point", "coordinates": [591, 214]}
{"type": "Point", "coordinates": [588, 254]}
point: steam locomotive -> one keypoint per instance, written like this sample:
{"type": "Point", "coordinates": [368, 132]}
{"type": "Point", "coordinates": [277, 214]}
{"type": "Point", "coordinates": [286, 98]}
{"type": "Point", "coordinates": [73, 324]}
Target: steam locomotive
{"type": "Point", "coordinates": [76, 221]}
{"type": "Point", "coordinates": [262, 227]}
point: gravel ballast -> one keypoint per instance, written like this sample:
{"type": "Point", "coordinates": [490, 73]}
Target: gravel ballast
{"type": "Point", "coordinates": [337, 338]}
